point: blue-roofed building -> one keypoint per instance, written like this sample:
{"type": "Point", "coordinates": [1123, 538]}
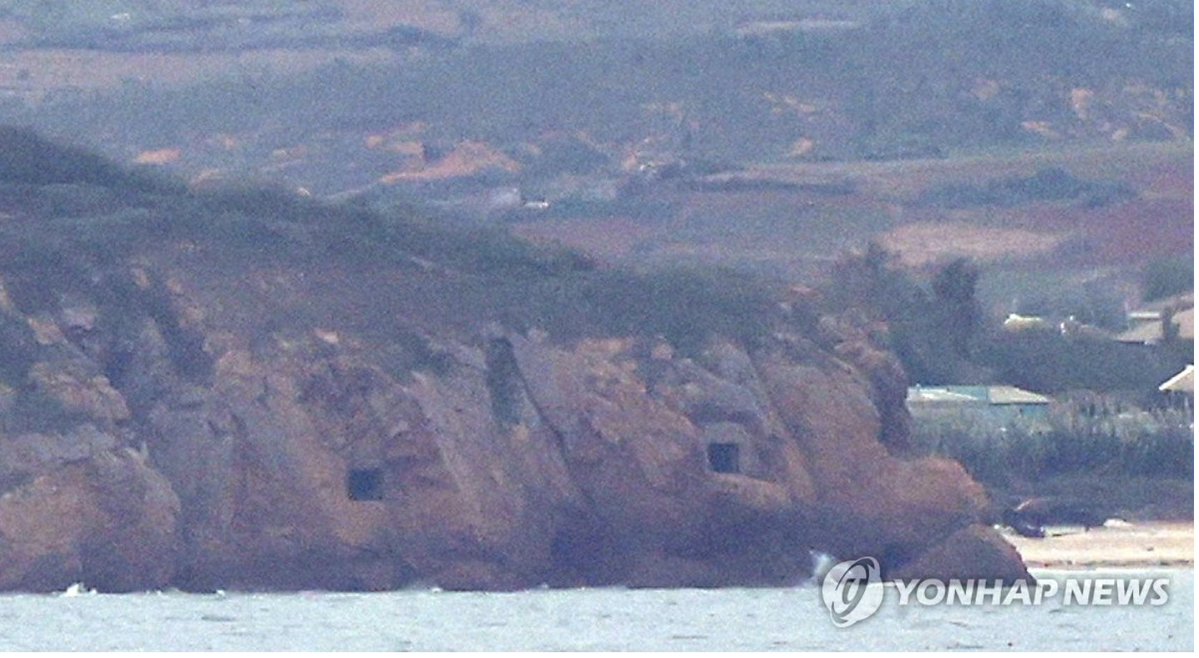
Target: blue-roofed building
{"type": "Point", "coordinates": [992, 405]}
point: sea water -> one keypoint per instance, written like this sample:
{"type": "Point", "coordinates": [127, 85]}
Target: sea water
{"type": "Point", "coordinates": [792, 619]}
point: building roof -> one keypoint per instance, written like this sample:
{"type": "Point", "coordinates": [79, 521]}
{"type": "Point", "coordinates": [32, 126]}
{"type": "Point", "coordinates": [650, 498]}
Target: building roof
{"type": "Point", "coordinates": [1183, 382]}
{"type": "Point", "coordinates": [946, 394]}
{"type": "Point", "coordinates": [1146, 333]}
{"type": "Point", "coordinates": [1013, 395]}
{"type": "Point", "coordinates": [974, 394]}
{"type": "Point", "coordinates": [1186, 323]}
{"type": "Point", "coordinates": [1147, 327]}
{"type": "Point", "coordinates": [1149, 332]}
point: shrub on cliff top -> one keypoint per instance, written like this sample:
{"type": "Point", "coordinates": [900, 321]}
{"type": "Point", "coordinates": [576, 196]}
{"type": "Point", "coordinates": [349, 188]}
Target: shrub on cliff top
{"type": "Point", "coordinates": [686, 306]}
{"type": "Point", "coordinates": [16, 349]}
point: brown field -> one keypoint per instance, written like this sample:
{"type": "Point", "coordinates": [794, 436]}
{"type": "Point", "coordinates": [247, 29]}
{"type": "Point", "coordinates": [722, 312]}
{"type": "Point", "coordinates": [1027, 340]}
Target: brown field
{"type": "Point", "coordinates": [609, 239]}
{"type": "Point", "coordinates": [926, 243]}
{"type": "Point", "coordinates": [1140, 164]}
{"type": "Point", "coordinates": [32, 74]}
{"type": "Point", "coordinates": [795, 232]}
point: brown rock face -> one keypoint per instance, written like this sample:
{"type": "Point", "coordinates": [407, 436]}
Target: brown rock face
{"type": "Point", "coordinates": [109, 521]}
{"type": "Point", "coordinates": [169, 447]}
{"type": "Point", "coordinates": [867, 502]}
{"type": "Point", "coordinates": [972, 552]}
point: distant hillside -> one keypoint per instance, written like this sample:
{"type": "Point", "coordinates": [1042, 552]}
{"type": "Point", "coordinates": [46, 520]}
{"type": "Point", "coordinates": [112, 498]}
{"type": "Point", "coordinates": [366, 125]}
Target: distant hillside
{"type": "Point", "coordinates": [918, 79]}
{"type": "Point", "coordinates": [181, 26]}
{"type": "Point", "coordinates": [68, 212]}
{"type": "Point", "coordinates": [177, 25]}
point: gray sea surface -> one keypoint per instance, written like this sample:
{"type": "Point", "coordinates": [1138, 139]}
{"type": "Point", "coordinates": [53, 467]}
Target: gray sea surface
{"type": "Point", "coordinates": [791, 619]}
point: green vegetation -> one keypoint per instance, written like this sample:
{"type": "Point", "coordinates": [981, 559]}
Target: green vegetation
{"type": "Point", "coordinates": [36, 411]}
{"type": "Point", "coordinates": [407, 352]}
{"type": "Point", "coordinates": [17, 350]}
{"type": "Point", "coordinates": [25, 162]}
{"type": "Point", "coordinates": [1050, 362]}
{"type": "Point", "coordinates": [1098, 301]}
{"type": "Point", "coordinates": [957, 311]}
{"type": "Point", "coordinates": [1166, 277]}
{"type": "Point", "coordinates": [935, 332]}
{"type": "Point", "coordinates": [1051, 184]}
{"type": "Point", "coordinates": [938, 333]}
{"type": "Point", "coordinates": [1159, 444]}
{"type": "Point", "coordinates": [686, 306]}
{"type": "Point", "coordinates": [504, 384]}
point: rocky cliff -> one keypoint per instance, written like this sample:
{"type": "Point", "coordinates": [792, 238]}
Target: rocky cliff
{"type": "Point", "coordinates": [150, 446]}
{"type": "Point", "coordinates": [246, 389]}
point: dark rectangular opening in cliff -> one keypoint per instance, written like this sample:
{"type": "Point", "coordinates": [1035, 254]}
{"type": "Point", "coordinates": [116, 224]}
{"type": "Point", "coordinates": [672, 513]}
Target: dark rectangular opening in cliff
{"type": "Point", "coordinates": [724, 457]}
{"type": "Point", "coordinates": [365, 484]}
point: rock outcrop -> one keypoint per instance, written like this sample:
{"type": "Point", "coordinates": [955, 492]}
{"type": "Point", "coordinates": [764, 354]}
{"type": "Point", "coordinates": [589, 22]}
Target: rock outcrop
{"type": "Point", "coordinates": [157, 444]}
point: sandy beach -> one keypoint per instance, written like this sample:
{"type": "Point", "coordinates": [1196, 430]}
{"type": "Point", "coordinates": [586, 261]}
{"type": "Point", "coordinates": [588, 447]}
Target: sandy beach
{"type": "Point", "coordinates": [1116, 545]}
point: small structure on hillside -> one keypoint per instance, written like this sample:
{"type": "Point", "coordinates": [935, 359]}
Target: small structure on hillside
{"type": "Point", "coordinates": [991, 405]}
{"type": "Point", "coordinates": [1160, 321]}
{"type": "Point", "coordinates": [1015, 323]}
{"type": "Point", "coordinates": [791, 26]}
{"type": "Point", "coordinates": [1182, 383]}
{"type": "Point", "coordinates": [1072, 329]}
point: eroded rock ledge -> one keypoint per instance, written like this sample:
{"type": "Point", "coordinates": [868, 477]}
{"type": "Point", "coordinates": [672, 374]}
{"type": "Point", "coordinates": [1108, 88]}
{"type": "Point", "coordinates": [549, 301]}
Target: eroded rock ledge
{"type": "Point", "coordinates": [160, 448]}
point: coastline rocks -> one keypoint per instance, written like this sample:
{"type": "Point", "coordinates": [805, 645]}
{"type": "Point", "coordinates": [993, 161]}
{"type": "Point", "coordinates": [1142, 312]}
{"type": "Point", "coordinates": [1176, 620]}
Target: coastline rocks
{"type": "Point", "coordinates": [975, 551]}
{"type": "Point", "coordinates": [179, 451]}
{"type": "Point", "coordinates": [109, 522]}
{"type": "Point", "coordinates": [867, 502]}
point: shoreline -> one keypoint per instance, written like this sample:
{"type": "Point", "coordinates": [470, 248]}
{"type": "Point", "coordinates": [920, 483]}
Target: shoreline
{"type": "Point", "coordinates": [1118, 545]}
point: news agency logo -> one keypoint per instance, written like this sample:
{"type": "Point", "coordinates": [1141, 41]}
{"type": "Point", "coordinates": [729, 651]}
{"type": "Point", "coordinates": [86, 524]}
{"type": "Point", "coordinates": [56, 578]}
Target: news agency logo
{"type": "Point", "coordinates": [853, 591]}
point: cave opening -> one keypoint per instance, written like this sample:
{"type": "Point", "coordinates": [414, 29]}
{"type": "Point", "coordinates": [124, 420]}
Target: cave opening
{"type": "Point", "coordinates": [365, 484]}
{"type": "Point", "coordinates": [724, 457]}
